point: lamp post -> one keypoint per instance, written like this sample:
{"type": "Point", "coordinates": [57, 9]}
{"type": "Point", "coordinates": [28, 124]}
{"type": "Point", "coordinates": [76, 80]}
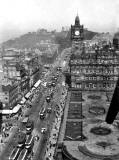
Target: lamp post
{"type": "Point", "coordinates": [1, 107]}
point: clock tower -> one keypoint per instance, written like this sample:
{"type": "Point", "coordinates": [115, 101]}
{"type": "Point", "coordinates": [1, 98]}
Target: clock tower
{"type": "Point", "coordinates": [77, 31]}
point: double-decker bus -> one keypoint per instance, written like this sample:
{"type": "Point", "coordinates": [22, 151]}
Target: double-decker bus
{"type": "Point", "coordinates": [21, 140]}
{"type": "Point", "coordinates": [29, 143]}
{"type": "Point", "coordinates": [23, 155]}
{"type": "Point", "coordinates": [15, 153]}
{"type": "Point", "coordinates": [48, 99]}
{"type": "Point", "coordinates": [29, 127]}
{"type": "Point", "coordinates": [42, 113]}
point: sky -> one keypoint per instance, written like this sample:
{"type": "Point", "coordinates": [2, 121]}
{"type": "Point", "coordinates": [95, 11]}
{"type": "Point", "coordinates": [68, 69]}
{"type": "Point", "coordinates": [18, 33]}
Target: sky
{"type": "Point", "coordinates": [21, 16]}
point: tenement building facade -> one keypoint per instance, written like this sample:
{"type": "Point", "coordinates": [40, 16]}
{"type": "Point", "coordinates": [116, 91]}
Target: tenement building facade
{"type": "Point", "coordinates": [91, 70]}
{"type": "Point", "coordinates": [94, 71]}
{"type": "Point", "coordinates": [93, 75]}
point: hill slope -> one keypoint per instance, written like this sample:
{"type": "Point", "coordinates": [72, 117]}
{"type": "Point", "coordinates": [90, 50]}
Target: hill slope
{"type": "Point", "coordinates": [33, 39]}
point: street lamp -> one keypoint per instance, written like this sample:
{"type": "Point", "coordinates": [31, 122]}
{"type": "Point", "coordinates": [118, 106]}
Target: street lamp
{"type": "Point", "coordinates": [1, 107]}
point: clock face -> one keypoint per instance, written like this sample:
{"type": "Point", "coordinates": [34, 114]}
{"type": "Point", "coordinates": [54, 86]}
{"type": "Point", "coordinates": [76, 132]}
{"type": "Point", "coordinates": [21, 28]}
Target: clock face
{"type": "Point", "coordinates": [77, 33]}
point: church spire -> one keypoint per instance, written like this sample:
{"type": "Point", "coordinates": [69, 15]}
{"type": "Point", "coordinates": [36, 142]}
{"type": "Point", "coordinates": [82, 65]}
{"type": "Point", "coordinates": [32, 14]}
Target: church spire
{"type": "Point", "coordinates": [77, 21]}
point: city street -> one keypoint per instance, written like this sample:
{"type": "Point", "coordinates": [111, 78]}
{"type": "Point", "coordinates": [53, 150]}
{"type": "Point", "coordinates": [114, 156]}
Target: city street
{"type": "Point", "coordinates": [59, 80]}
{"type": "Point", "coordinates": [48, 123]}
{"type": "Point", "coordinates": [13, 140]}
{"type": "Point", "coordinates": [38, 101]}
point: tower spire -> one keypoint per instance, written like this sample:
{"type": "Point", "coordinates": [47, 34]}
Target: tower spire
{"type": "Point", "coordinates": [77, 13]}
{"type": "Point", "coordinates": [77, 21]}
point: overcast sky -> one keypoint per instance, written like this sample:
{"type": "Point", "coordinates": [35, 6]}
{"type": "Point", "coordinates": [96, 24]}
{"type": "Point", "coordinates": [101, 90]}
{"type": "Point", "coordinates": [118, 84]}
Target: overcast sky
{"type": "Point", "coordinates": [20, 16]}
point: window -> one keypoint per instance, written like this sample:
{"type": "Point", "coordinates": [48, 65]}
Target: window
{"type": "Point", "coordinates": [108, 85]}
{"type": "Point", "coordinates": [86, 70]}
{"type": "Point", "coordinates": [104, 85]}
{"type": "Point", "coordinates": [104, 78]}
{"type": "Point", "coordinates": [86, 78]}
{"type": "Point", "coordinates": [90, 70]}
{"type": "Point", "coordinates": [94, 85]}
{"type": "Point", "coordinates": [91, 78]}
{"type": "Point", "coordinates": [112, 85]}
{"type": "Point", "coordinates": [94, 78]}
{"type": "Point", "coordinates": [112, 78]}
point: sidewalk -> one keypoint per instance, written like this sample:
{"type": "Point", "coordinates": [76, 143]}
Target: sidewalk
{"type": "Point", "coordinates": [63, 125]}
{"type": "Point", "coordinates": [51, 147]}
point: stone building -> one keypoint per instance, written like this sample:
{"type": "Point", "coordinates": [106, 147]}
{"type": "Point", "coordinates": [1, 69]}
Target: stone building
{"type": "Point", "coordinates": [95, 69]}
{"type": "Point", "coordinates": [12, 95]}
{"type": "Point", "coordinates": [92, 74]}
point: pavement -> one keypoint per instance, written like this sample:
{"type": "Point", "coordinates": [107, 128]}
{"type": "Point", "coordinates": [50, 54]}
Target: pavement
{"type": "Point", "coordinates": [63, 125]}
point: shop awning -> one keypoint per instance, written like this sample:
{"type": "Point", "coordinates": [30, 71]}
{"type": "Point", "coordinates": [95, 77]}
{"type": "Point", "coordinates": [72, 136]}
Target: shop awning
{"type": "Point", "coordinates": [23, 100]}
{"type": "Point", "coordinates": [28, 95]}
{"type": "Point", "coordinates": [16, 108]}
{"type": "Point", "coordinates": [37, 83]}
{"type": "Point", "coordinates": [6, 111]}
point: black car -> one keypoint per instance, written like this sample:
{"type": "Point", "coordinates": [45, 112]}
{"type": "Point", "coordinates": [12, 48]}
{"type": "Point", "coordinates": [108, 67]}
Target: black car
{"type": "Point", "coordinates": [29, 127]}
{"type": "Point", "coordinates": [53, 84]}
{"type": "Point", "coordinates": [48, 99]}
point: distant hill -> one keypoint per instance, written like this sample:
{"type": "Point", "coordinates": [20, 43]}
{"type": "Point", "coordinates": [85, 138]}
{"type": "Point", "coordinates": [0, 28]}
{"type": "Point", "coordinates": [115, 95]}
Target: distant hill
{"type": "Point", "coordinates": [88, 35]}
{"type": "Point", "coordinates": [29, 40]}
{"type": "Point", "coordinates": [116, 35]}
{"type": "Point", "coordinates": [65, 41]}
{"type": "Point", "coordinates": [33, 39]}
{"type": "Point", "coordinates": [103, 37]}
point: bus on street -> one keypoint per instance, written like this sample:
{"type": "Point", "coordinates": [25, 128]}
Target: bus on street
{"type": "Point", "coordinates": [29, 126]}
{"type": "Point", "coordinates": [42, 113]}
{"type": "Point", "coordinates": [29, 143]}
{"type": "Point", "coordinates": [21, 140]}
